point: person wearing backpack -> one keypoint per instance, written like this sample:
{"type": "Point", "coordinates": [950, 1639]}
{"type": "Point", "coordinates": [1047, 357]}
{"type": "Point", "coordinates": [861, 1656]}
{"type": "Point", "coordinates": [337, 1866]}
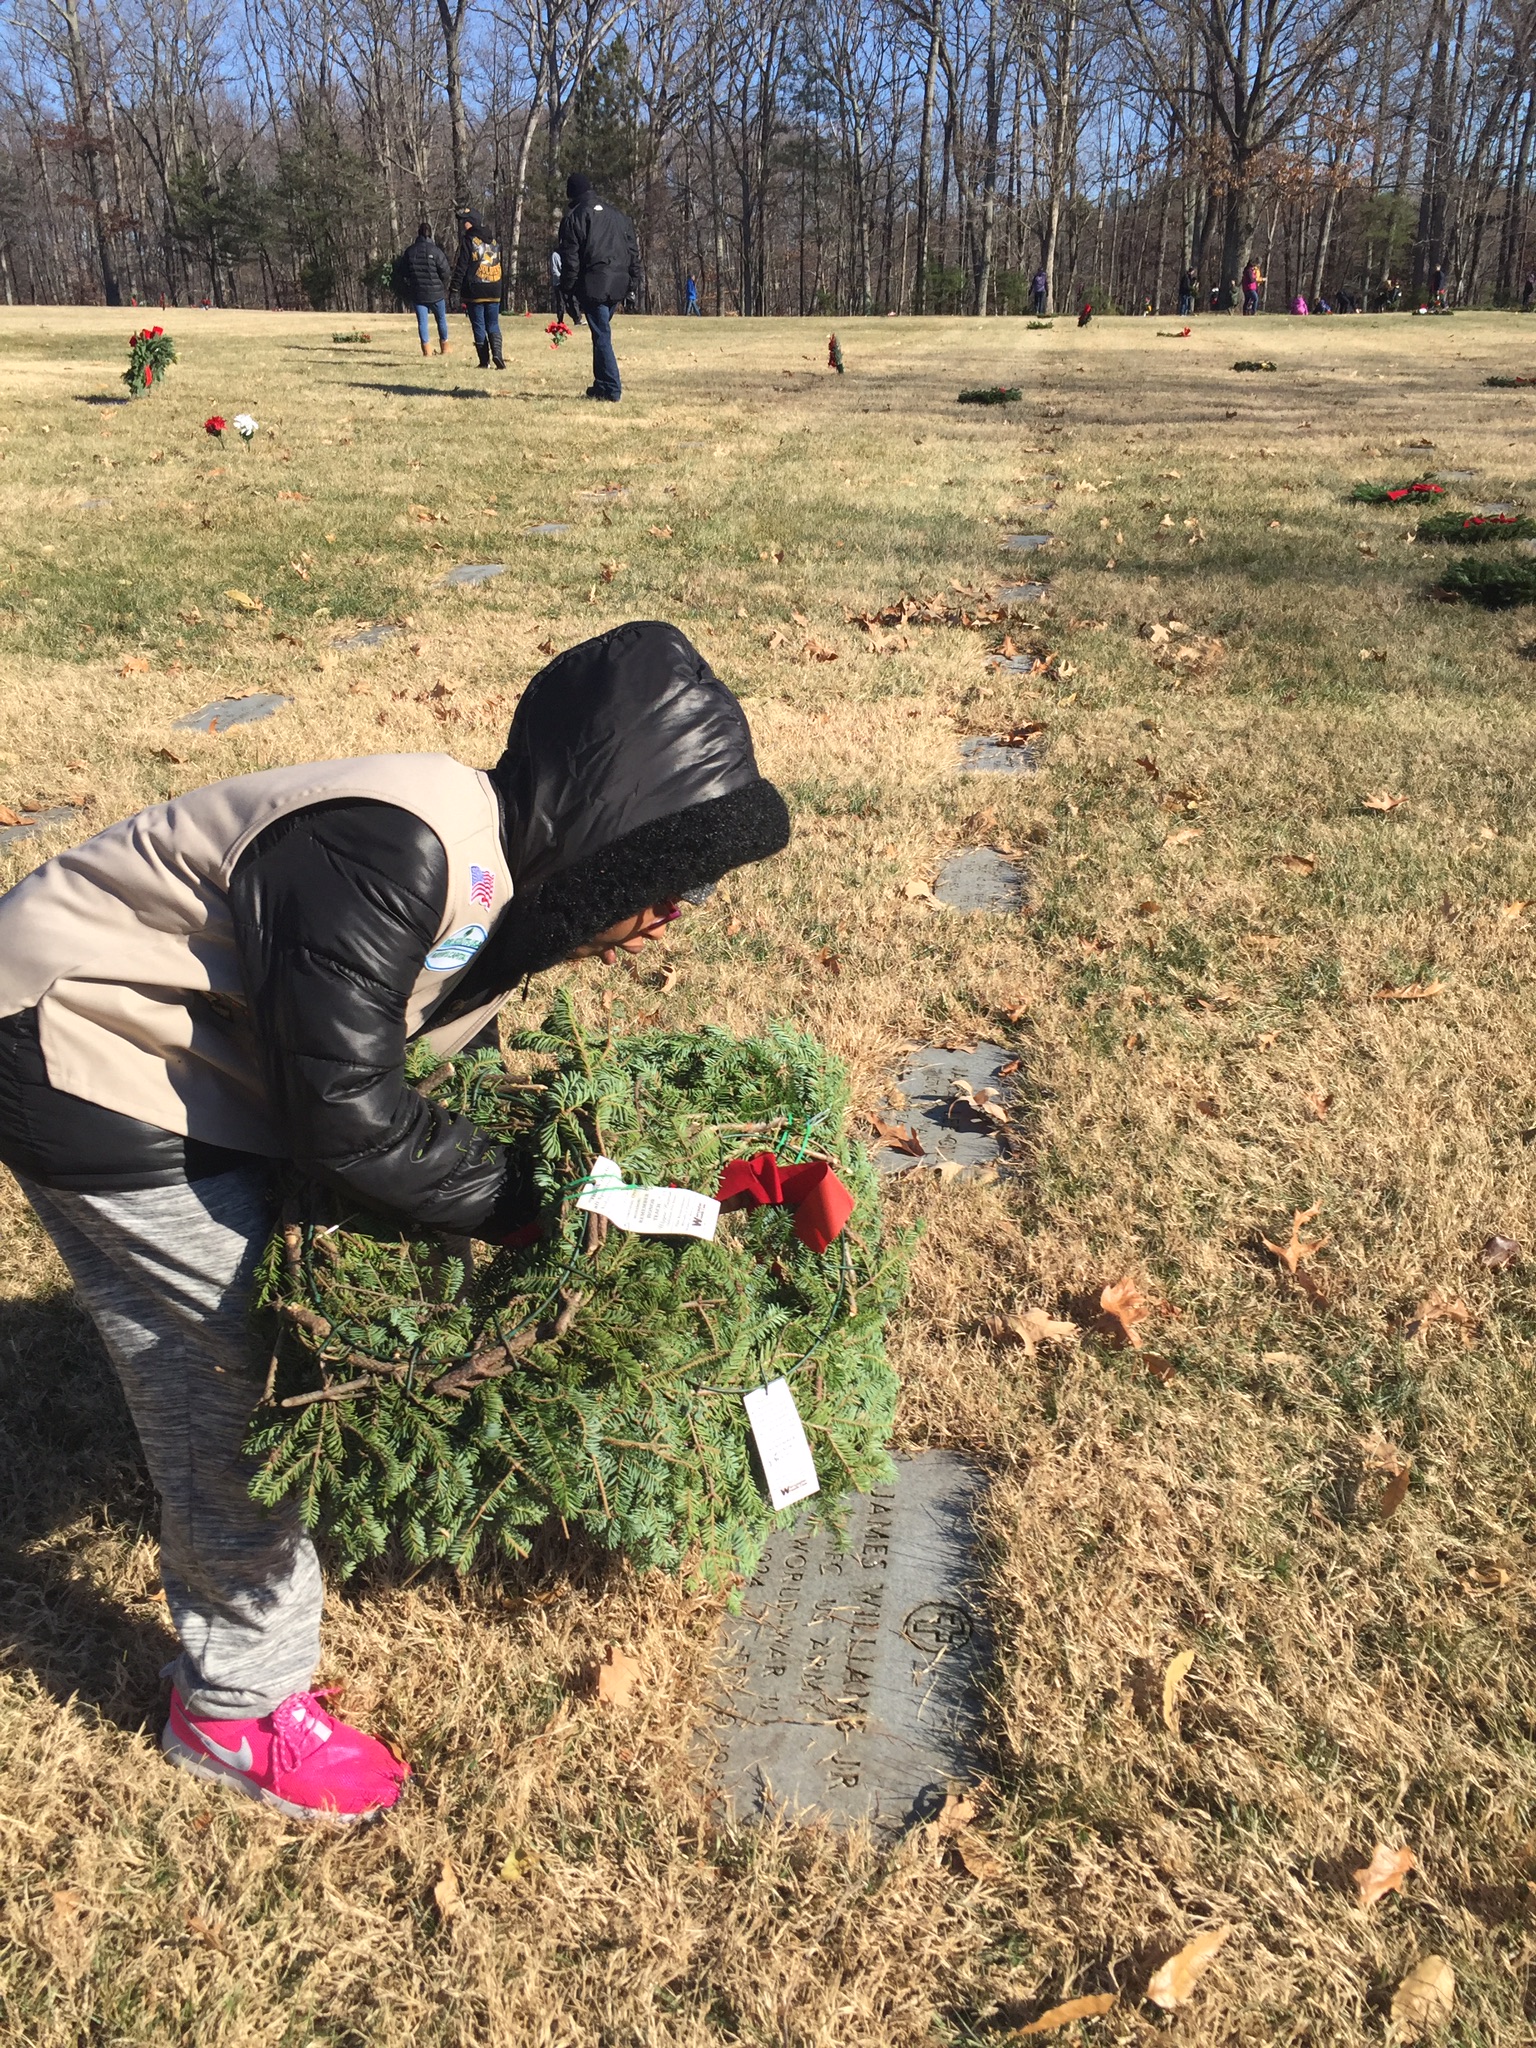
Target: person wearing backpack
{"type": "Point", "coordinates": [421, 280]}
{"type": "Point", "coordinates": [476, 283]}
{"type": "Point", "coordinates": [600, 260]}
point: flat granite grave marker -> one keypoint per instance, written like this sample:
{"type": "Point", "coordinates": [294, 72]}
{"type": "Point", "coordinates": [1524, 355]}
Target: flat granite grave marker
{"type": "Point", "coordinates": [230, 711]}
{"type": "Point", "coordinates": [474, 572]}
{"type": "Point", "coordinates": [980, 879]}
{"type": "Point", "coordinates": [1455, 476]}
{"type": "Point", "coordinates": [982, 756]}
{"type": "Point", "coordinates": [1025, 543]}
{"type": "Point", "coordinates": [1015, 594]}
{"type": "Point", "coordinates": [852, 1678]}
{"type": "Point", "coordinates": [549, 526]}
{"type": "Point", "coordinates": [371, 636]}
{"type": "Point", "coordinates": [949, 1133]}
{"type": "Point", "coordinates": [1495, 511]}
{"type": "Point", "coordinates": [31, 821]}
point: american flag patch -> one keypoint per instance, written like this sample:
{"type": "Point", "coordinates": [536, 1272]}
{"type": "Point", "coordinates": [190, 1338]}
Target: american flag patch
{"type": "Point", "coordinates": [482, 885]}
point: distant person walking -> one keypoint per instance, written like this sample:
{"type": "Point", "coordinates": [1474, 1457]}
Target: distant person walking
{"type": "Point", "coordinates": [1253, 279]}
{"type": "Point", "coordinates": [476, 283]}
{"type": "Point", "coordinates": [691, 297]}
{"type": "Point", "coordinates": [1039, 292]}
{"type": "Point", "coordinates": [421, 280]}
{"type": "Point", "coordinates": [1527, 293]}
{"type": "Point", "coordinates": [600, 258]}
{"type": "Point", "coordinates": [1189, 292]}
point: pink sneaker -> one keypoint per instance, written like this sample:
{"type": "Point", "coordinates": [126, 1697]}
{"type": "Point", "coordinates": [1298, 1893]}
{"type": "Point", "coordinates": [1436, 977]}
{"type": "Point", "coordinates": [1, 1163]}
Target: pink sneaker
{"type": "Point", "coordinates": [299, 1758]}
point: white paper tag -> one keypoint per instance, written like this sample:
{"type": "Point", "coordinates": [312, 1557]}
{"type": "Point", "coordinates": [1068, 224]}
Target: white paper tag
{"type": "Point", "coordinates": [779, 1434]}
{"type": "Point", "coordinates": [653, 1212]}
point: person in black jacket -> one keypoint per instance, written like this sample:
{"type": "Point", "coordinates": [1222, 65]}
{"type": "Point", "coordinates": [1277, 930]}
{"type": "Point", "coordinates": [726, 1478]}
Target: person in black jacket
{"type": "Point", "coordinates": [600, 261]}
{"type": "Point", "coordinates": [628, 785]}
{"type": "Point", "coordinates": [421, 279]}
{"type": "Point", "coordinates": [476, 283]}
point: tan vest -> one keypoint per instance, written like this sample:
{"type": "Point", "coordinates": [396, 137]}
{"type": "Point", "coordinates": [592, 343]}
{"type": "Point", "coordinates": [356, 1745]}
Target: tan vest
{"type": "Point", "coordinates": [126, 948]}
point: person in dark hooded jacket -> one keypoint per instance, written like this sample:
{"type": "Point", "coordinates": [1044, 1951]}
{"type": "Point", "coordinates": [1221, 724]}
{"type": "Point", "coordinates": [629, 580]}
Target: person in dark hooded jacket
{"type": "Point", "coordinates": [421, 279]}
{"type": "Point", "coordinates": [599, 259]}
{"type": "Point", "coordinates": [228, 981]}
{"type": "Point", "coordinates": [476, 283]}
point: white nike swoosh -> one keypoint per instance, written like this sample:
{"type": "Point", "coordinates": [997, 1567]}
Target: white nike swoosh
{"type": "Point", "coordinates": [237, 1759]}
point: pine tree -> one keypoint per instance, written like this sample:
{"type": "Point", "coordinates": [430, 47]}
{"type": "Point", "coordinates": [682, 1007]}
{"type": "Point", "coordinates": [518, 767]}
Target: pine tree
{"type": "Point", "coordinates": [448, 1404]}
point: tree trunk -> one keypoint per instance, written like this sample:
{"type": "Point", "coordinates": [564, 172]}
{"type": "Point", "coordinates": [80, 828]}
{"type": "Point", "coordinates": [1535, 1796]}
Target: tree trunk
{"type": "Point", "coordinates": [452, 19]}
{"type": "Point", "coordinates": [520, 191]}
{"type": "Point", "coordinates": [68, 12]}
{"type": "Point", "coordinates": [925, 162]}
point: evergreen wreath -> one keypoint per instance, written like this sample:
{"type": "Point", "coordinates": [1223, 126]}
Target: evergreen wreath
{"type": "Point", "coordinates": [1253, 365]}
{"type": "Point", "coordinates": [1496, 582]}
{"type": "Point", "coordinates": [593, 1377]}
{"type": "Point", "coordinates": [151, 353]}
{"type": "Point", "coordinates": [1478, 526]}
{"type": "Point", "coordinates": [1393, 494]}
{"type": "Point", "coordinates": [991, 394]}
{"type": "Point", "coordinates": [1508, 383]}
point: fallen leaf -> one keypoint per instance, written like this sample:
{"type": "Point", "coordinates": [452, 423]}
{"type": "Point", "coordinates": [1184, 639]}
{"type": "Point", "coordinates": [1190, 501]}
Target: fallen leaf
{"type": "Point", "coordinates": [1029, 1328]}
{"type": "Point", "coordinates": [446, 1895]}
{"type": "Point", "coordinates": [1393, 1494]}
{"type": "Point", "coordinates": [165, 754]}
{"type": "Point", "coordinates": [8, 817]}
{"type": "Point", "coordinates": [66, 1904]}
{"type": "Point", "coordinates": [661, 533]}
{"type": "Point", "coordinates": [1382, 801]}
{"type": "Point", "coordinates": [1177, 1978]}
{"type": "Point", "coordinates": [828, 960]}
{"type": "Point", "coordinates": [1063, 2015]}
{"type": "Point", "coordinates": [243, 601]}
{"type": "Point", "coordinates": [1415, 992]}
{"type": "Point", "coordinates": [1173, 1686]}
{"type": "Point", "coordinates": [1122, 1306]}
{"type": "Point", "coordinates": [1384, 1873]}
{"type": "Point", "coordinates": [1292, 1254]}
{"type": "Point", "coordinates": [1516, 907]}
{"type": "Point", "coordinates": [203, 1931]}
{"type": "Point", "coordinates": [509, 1870]}
{"type": "Point", "coordinates": [1148, 909]}
{"type": "Point", "coordinates": [1185, 837]}
{"type": "Point", "coordinates": [1163, 1370]}
{"type": "Point", "coordinates": [610, 570]}
{"type": "Point", "coordinates": [899, 1137]}
{"type": "Point", "coordinates": [1425, 1998]}
{"type": "Point", "coordinates": [1297, 863]}
{"type": "Point", "coordinates": [958, 1811]}
{"type": "Point", "coordinates": [134, 665]}
{"type": "Point", "coordinates": [1319, 1106]}
{"type": "Point", "coordinates": [1440, 1308]}
{"type": "Point", "coordinates": [668, 980]}
{"type": "Point", "coordinates": [1373, 654]}
{"type": "Point", "coordinates": [817, 651]}
{"type": "Point", "coordinates": [546, 647]}
{"type": "Point", "coordinates": [1483, 1576]}
{"type": "Point", "coordinates": [1207, 1105]}
{"type": "Point", "coordinates": [617, 1676]}
{"type": "Point", "coordinates": [1499, 1252]}
{"type": "Point", "coordinates": [916, 890]}
{"type": "Point", "coordinates": [975, 1855]}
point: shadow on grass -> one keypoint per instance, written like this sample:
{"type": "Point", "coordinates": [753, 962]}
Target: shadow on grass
{"type": "Point", "coordinates": [457, 391]}
{"type": "Point", "coordinates": [72, 1463]}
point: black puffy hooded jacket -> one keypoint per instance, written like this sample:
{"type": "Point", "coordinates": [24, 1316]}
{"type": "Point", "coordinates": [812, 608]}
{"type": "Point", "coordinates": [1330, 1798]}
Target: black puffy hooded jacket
{"type": "Point", "coordinates": [628, 779]}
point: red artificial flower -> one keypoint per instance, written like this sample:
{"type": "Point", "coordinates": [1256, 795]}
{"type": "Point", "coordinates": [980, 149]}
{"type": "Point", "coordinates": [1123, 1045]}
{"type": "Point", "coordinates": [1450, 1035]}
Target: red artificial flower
{"type": "Point", "coordinates": [214, 425]}
{"type": "Point", "coordinates": [156, 330]}
{"type": "Point", "coordinates": [149, 375]}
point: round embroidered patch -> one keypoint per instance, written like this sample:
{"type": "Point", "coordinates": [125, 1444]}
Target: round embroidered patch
{"type": "Point", "coordinates": [458, 949]}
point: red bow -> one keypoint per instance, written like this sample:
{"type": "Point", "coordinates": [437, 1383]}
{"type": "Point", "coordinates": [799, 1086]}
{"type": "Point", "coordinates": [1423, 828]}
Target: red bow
{"type": "Point", "coordinates": [821, 1205]}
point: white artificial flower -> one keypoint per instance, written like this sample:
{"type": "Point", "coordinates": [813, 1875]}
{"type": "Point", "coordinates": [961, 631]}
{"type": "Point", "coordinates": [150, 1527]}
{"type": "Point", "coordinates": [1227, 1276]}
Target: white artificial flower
{"type": "Point", "coordinates": [244, 425]}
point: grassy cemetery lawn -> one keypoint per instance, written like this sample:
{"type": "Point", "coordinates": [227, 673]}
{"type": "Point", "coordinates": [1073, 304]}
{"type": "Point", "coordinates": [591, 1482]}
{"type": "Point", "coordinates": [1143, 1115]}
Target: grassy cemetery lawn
{"type": "Point", "coordinates": [1252, 1390]}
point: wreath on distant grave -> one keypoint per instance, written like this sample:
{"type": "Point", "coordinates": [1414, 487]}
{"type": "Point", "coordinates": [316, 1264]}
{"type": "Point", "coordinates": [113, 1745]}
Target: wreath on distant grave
{"type": "Point", "coordinates": [1508, 383]}
{"type": "Point", "coordinates": [1253, 366]}
{"type": "Point", "coordinates": [991, 394]}
{"type": "Point", "coordinates": [1038, 326]}
{"type": "Point", "coordinates": [1478, 526]}
{"type": "Point", "coordinates": [1393, 494]}
{"type": "Point", "coordinates": [1495, 582]}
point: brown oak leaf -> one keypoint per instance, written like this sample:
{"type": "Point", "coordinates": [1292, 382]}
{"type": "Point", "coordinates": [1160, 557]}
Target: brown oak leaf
{"type": "Point", "coordinates": [1175, 1981]}
{"type": "Point", "coordinates": [1384, 1873]}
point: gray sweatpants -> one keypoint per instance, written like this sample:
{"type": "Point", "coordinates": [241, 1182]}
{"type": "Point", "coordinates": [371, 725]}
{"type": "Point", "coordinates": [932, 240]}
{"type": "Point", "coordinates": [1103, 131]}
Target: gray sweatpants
{"type": "Point", "coordinates": [166, 1276]}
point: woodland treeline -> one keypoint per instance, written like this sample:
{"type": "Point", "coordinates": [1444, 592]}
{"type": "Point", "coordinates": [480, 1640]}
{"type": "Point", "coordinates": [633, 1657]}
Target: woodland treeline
{"type": "Point", "coordinates": [793, 156]}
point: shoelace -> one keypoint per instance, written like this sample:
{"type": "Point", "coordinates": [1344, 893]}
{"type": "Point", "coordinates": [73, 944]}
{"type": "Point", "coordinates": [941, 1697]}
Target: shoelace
{"type": "Point", "coordinates": [299, 1726]}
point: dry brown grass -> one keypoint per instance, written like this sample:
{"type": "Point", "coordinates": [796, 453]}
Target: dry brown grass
{"type": "Point", "coordinates": [1355, 1681]}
